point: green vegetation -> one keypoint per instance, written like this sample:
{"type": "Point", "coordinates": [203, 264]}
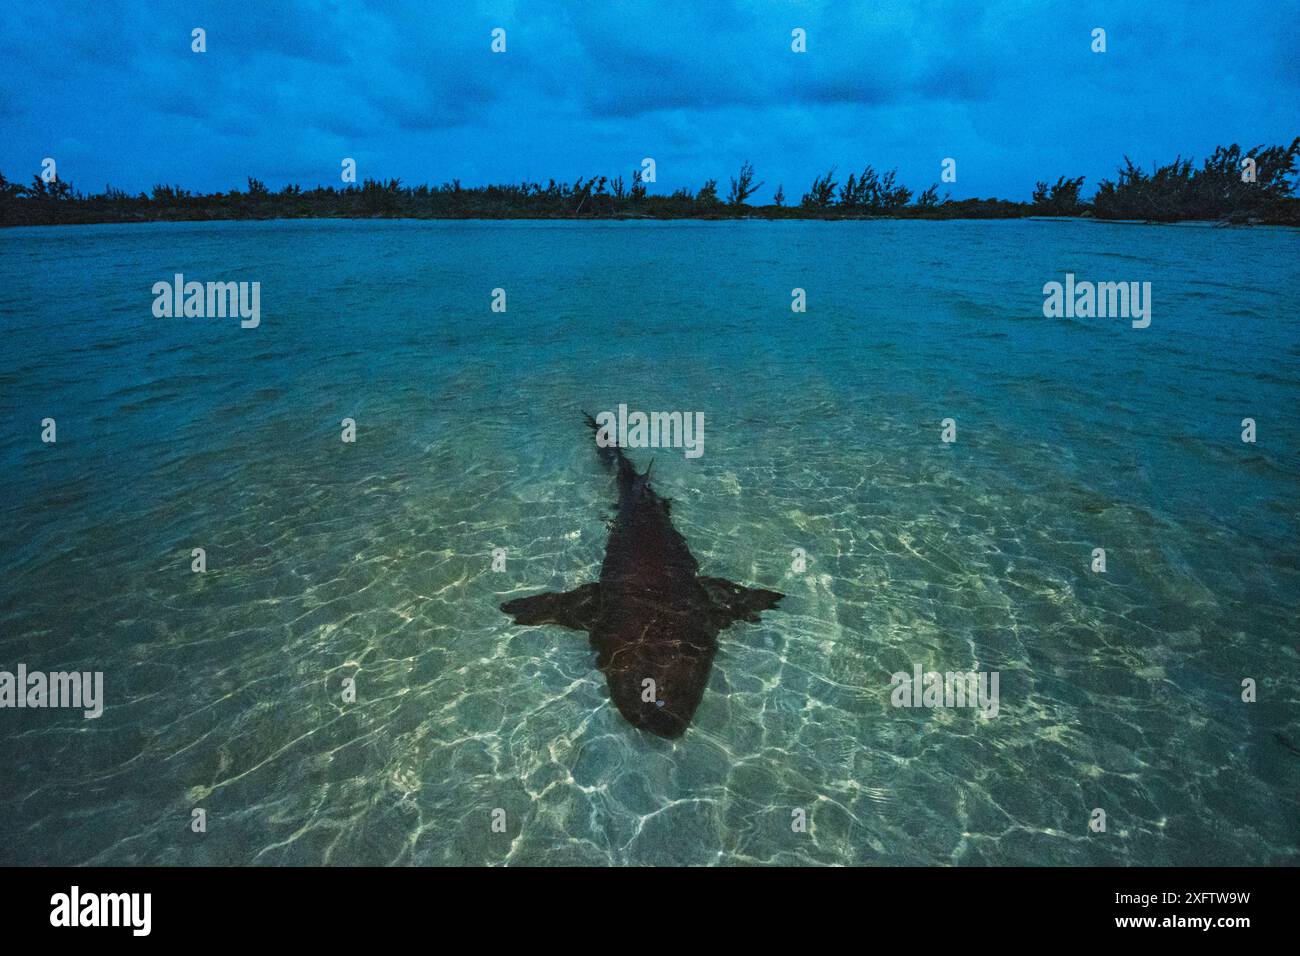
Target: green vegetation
{"type": "Point", "coordinates": [1215, 191]}
{"type": "Point", "coordinates": [1061, 199]}
{"type": "Point", "coordinates": [1174, 192]}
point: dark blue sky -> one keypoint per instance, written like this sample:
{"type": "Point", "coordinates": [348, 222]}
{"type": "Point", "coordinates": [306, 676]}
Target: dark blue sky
{"type": "Point", "coordinates": [287, 89]}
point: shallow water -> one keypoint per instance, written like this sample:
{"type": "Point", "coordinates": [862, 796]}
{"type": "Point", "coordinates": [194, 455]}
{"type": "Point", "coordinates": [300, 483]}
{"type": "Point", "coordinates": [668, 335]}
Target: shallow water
{"type": "Point", "coordinates": [372, 560]}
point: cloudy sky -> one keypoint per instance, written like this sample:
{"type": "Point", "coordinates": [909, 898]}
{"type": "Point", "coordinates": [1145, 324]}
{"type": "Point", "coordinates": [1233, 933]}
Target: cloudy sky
{"type": "Point", "coordinates": [287, 88]}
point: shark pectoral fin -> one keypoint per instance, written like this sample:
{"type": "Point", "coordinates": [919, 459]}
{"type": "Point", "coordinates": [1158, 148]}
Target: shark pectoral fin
{"type": "Point", "coordinates": [576, 609]}
{"type": "Point", "coordinates": [738, 603]}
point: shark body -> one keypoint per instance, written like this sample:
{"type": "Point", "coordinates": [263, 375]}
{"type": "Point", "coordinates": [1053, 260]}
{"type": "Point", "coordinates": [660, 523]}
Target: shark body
{"type": "Point", "coordinates": [652, 618]}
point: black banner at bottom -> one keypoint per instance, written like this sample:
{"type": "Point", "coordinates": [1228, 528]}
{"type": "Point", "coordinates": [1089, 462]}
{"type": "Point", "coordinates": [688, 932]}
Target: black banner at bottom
{"type": "Point", "coordinates": [337, 906]}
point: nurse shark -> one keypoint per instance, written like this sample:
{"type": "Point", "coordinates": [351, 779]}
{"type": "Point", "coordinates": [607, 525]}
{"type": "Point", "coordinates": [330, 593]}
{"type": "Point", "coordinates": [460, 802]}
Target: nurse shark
{"type": "Point", "coordinates": [652, 618]}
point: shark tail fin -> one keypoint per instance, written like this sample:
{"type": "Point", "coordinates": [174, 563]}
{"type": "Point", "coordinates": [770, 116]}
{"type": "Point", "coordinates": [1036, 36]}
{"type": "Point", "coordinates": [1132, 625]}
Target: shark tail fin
{"type": "Point", "coordinates": [612, 455]}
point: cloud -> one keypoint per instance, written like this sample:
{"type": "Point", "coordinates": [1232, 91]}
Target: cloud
{"type": "Point", "coordinates": [1010, 89]}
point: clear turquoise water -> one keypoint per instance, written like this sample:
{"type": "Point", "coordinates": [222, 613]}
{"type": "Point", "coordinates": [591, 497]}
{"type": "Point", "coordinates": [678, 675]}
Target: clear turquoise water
{"type": "Point", "coordinates": [327, 560]}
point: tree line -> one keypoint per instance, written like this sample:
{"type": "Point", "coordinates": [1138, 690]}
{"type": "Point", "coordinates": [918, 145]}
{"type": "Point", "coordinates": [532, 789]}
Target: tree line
{"type": "Point", "coordinates": [1231, 185]}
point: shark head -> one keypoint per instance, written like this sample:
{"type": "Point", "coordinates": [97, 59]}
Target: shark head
{"type": "Point", "coordinates": [659, 672]}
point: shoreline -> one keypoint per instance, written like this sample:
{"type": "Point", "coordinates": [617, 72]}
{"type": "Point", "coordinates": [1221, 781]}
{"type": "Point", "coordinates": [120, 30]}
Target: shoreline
{"type": "Point", "coordinates": [1219, 191]}
{"type": "Point", "coordinates": [800, 216]}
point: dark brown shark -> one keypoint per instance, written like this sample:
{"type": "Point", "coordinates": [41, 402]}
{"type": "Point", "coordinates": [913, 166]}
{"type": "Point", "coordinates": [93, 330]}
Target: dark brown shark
{"type": "Point", "coordinates": [653, 620]}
